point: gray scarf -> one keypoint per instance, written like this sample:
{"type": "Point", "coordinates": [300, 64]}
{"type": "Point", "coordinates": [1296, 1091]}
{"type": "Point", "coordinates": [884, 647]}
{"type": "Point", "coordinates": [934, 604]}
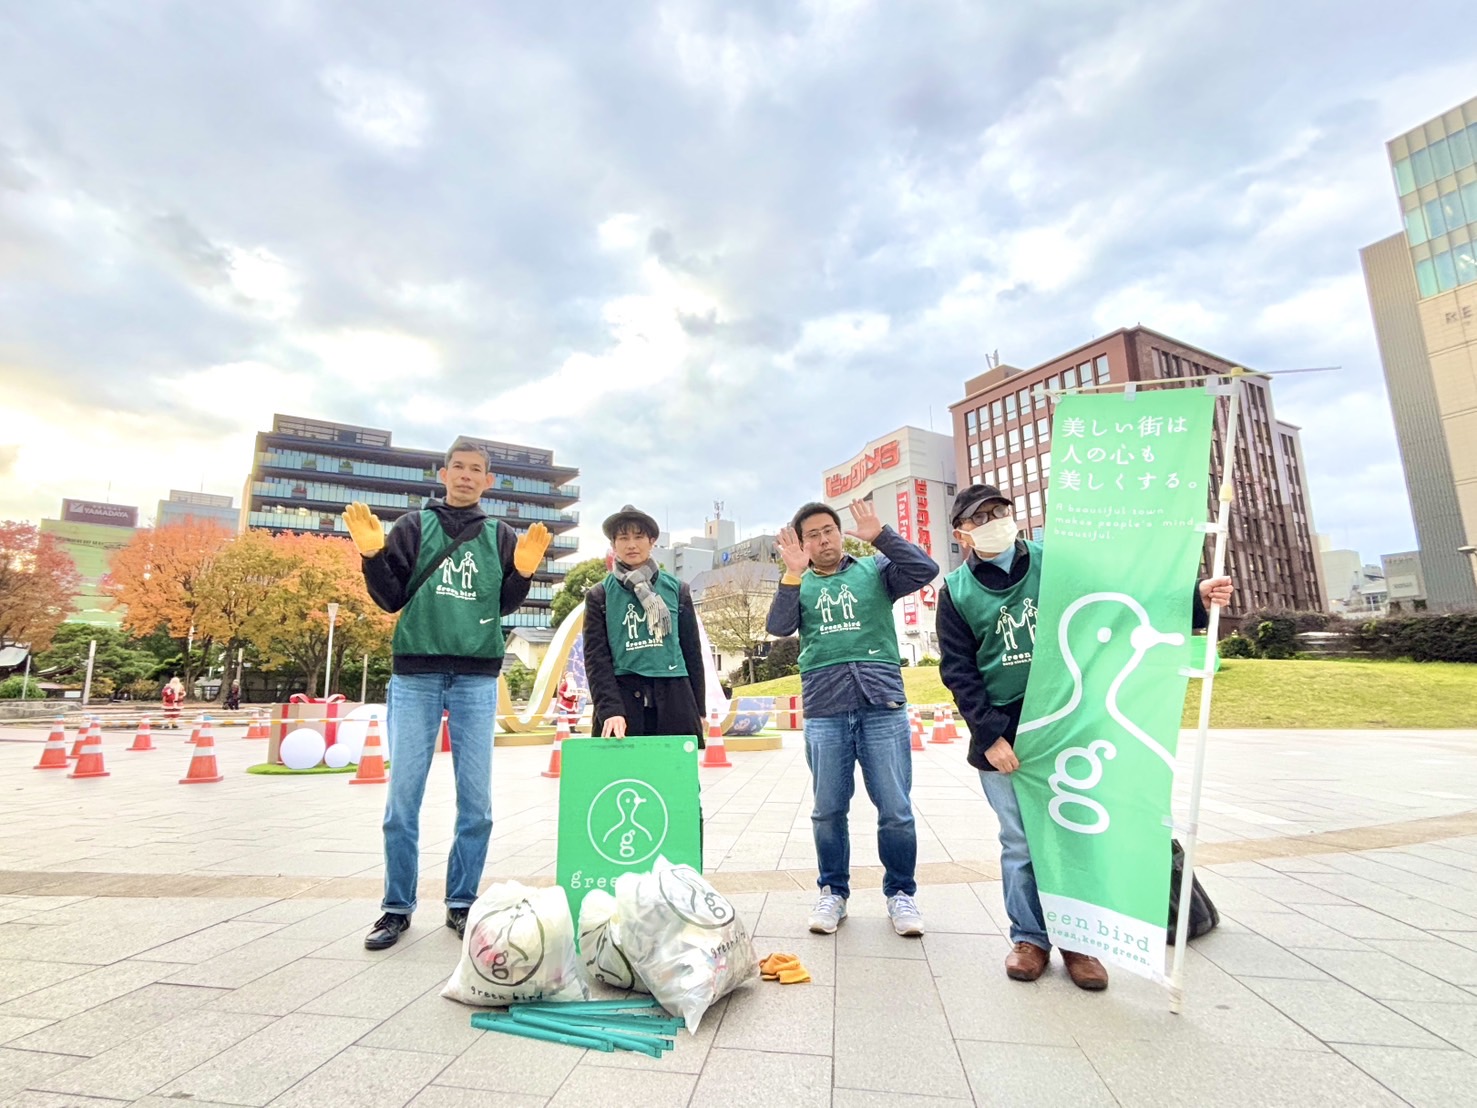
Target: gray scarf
{"type": "Point", "coordinates": [638, 580]}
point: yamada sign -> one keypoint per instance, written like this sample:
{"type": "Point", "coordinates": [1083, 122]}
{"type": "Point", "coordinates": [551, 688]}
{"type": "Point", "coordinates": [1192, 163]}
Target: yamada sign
{"type": "Point", "coordinates": [884, 457]}
{"type": "Point", "coordinates": [91, 511]}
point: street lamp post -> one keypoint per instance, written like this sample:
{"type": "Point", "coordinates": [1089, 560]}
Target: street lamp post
{"type": "Point", "coordinates": [328, 662]}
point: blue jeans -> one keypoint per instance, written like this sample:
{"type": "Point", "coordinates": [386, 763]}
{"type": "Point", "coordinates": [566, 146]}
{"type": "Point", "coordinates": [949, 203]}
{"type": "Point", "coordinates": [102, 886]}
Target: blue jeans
{"type": "Point", "coordinates": [878, 739]}
{"type": "Point", "coordinates": [1022, 904]}
{"type": "Point", "coordinates": [415, 703]}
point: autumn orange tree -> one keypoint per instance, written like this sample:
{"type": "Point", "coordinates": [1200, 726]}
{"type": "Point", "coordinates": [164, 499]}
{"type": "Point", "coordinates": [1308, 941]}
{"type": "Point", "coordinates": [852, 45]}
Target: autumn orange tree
{"type": "Point", "coordinates": [162, 576]}
{"type": "Point", "coordinates": [288, 625]}
{"type": "Point", "coordinates": [37, 582]}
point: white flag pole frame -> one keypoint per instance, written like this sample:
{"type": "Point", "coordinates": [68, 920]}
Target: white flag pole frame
{"type": "Point", "coordinates": [1207, 688]}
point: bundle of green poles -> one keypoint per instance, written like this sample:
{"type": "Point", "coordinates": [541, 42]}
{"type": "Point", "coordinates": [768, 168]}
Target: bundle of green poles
{"type": "Point", "coordinates": [603, 1025]}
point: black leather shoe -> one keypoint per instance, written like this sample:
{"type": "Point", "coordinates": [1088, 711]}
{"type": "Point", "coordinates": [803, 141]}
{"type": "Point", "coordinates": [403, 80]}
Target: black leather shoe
{"type": "Point", "coordinates": [386, 931]}
{"type": "Point", "coordinates": [456, 919]}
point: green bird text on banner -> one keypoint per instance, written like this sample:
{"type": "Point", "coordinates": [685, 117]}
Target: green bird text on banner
{"type": "Point", "coordinates": [621, 803]}
{"type": "Point", "coordinates": [1100, 722]}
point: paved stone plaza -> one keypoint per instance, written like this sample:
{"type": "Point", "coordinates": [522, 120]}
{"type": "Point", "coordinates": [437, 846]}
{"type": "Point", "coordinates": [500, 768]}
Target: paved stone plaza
{"type": "Point", "coordinates": [162, 944]}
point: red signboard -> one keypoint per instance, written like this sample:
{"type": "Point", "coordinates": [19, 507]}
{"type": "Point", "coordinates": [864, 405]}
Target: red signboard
{"type": "Point", "coordinates": [904, 517]}
{"type": "Point", "coordinates": [884, 457]}
{"type": "Point", "coordinates": [925, 540]}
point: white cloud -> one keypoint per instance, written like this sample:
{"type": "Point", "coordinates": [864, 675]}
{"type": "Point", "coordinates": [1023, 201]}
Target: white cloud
{"type": "Point", "coordinates": [267, 282]}
{"type": "Point", "coordinates": [621, 231]}
{"type": "Point", "coordinates": [376, 359]}
{"type": "Point", "coordinates": [1152, 305]}
{"type": "Point", "coordinates": [839, 338]}
{"type": "Point", "coordinates": [382, 108]}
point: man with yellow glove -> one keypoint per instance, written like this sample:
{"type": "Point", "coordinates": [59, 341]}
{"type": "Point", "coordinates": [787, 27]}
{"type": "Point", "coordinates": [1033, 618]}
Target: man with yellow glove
{"type": "Point", "coordinates": [452, 572]}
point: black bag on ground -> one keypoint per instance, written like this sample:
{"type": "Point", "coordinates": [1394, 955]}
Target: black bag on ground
{"type": "Point", "coordinates": [1203, 916]}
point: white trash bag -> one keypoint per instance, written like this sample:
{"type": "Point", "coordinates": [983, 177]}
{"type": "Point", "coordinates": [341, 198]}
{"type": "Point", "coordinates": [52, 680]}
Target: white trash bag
{"type": "Point", "coordinates": [683, 939]}
{"type": "Point", "coordinates": [604, 961]}
{"type": "Point", "coordinates": [519, 945]}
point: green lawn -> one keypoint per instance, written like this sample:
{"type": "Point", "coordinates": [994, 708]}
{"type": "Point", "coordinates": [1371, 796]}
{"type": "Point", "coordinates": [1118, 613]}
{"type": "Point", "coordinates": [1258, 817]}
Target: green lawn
{"type": "Point", "coordinates": [1316, 694]}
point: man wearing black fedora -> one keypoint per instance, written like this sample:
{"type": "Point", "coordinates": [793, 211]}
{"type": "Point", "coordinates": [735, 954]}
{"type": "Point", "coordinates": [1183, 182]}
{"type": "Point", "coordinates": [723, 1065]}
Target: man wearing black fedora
{"type": "Point", "coordinates": [643, 656]}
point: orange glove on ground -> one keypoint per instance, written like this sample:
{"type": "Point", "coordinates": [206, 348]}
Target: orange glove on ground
{"type": "Point", "coordinates": [784, 968]}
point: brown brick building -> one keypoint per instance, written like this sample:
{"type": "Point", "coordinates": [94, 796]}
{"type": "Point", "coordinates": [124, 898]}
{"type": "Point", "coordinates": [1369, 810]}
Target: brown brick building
{"type": "Point", "coordinates": [1002, 436]}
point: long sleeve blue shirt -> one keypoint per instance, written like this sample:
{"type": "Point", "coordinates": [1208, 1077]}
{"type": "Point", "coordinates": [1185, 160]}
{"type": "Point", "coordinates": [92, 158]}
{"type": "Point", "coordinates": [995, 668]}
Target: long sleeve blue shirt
{"type": "Point", "coordinates": [852, 686]}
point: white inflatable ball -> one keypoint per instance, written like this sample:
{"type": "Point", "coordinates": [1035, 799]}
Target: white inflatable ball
{"type": "Point", "coordinates": [351, 737]}
{"type": "Point", "coordinates": [302, 748]}
{"type": "Point", "coordinates": [337, 757]}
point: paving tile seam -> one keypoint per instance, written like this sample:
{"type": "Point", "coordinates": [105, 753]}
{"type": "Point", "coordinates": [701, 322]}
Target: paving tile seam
{"type": "Point", "coordinates": [1374, 837]}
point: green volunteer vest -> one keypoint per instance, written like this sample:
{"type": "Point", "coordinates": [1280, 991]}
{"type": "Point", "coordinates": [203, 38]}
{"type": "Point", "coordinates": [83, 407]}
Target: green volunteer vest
{"type": "Point", "coordinates": [632, 644]}
{"type": "Point", "coordinates": [846, 617]}
{"type": "Point", "coordinates": [457, 612]}
{"type": "Point", "coordinates": [1004, 622]}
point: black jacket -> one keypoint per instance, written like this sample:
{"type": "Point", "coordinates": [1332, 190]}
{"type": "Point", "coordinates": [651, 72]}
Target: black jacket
{"type": "Point", "coordinates": [651, 705]}
{"type": "Point", "coordinates": [388, 574]}
{"type": "Point", "coordinates": [988, 721]}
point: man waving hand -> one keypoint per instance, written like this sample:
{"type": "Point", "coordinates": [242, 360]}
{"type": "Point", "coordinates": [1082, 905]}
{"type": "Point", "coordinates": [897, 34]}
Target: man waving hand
{"type": "Point", "coordinates": [452, 572]}
{"type": "Point", "coordinates": [852, 684]}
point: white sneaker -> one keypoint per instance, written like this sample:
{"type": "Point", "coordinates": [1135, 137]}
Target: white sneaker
{"type": "Point", "coordinates": [904, 913]}
{"type": "Point", "coordinates": [828, 912]}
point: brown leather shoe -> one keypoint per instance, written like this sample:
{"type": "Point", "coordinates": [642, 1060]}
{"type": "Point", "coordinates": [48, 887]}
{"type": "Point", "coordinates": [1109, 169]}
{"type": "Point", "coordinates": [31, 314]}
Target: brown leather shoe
{"type": "Point", "coordinates": [1086, 973]}
{"type": "Point", "coordinates": [1026, 962]}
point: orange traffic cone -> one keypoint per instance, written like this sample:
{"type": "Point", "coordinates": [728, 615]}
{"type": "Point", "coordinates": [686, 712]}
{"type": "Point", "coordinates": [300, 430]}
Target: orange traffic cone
{"type": "Point", "coordinates": [90, 762]}
{"type": "Point", "coordinates": [195, 732]}
{"type": "Point", "coordinates": [915, 729]}
{"type": "Point", "coordinates": [445, 745]}
{"type": "Point", "coordinates": [372, 760]}
{"type": "Point", "coordinates": [940, 729]}
{"type": "Point", "coordinates": [81, 741]}
{"type": "Point", "coordinates": [714, 756]}
{"type": "Point", "coordinates": [949, 728]}
{"type": "Point", "coordinates": [203, 770]}
{"type": "Point", "coordinates": [142, 740]}
{"type": "Point", "coordinates": [556, 756]}
{"type": "Point", "coordinates": [254, 729]}
{"type": "Point", "coordinates": [55, 754]}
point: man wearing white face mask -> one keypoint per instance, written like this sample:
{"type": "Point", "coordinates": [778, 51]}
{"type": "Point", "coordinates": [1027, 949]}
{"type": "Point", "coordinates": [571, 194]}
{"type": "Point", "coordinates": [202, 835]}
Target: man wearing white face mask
{"type": "Point", "coordinates": [984, 660]}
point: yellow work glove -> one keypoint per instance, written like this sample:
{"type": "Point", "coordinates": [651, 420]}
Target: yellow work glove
{"type": "Point", "coordinates": [784, 968]}
{"type": "Point", "coordinates": [365, 529]}
{"type": "Point", "coordinates": [530, 549]}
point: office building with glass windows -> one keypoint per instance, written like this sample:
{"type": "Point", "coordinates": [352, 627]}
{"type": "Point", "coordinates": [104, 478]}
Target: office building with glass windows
{"type": "Point", "coordinates": [198, 506]}
{"type": "Point", "coordinates": [1422, 288]}
{"type": "Point", "coordinates": [307, 470]}
{"type": "Point", "coordinates": [1002, 437]}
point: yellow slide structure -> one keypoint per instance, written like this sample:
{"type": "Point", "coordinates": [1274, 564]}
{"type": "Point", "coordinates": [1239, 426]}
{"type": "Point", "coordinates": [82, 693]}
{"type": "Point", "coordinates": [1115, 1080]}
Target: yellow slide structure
{"type": "Point", "coordinates": [566, 636]}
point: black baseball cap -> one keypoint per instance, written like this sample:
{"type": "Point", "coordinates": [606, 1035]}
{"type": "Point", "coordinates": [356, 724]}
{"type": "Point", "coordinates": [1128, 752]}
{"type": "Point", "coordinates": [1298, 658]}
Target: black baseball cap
{"type": "Point", "coordinates": [626, 517]}
{"type": "Point", "coordinates": [971, 499]}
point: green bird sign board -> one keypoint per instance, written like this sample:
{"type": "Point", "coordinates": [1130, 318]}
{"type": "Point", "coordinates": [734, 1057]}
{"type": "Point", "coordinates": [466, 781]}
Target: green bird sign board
{"type": "Point", "coordinates": [1111, 644]}
{"type": "Point", "coordinates": [623, 802]}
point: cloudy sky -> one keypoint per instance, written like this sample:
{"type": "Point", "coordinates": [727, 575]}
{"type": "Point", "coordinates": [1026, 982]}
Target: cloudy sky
{"type": "Point", "coordinates": [701, 250]}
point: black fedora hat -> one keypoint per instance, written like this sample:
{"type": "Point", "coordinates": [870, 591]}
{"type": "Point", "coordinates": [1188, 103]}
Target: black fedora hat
{"type": "Point", "coordinates": [629, 514]}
